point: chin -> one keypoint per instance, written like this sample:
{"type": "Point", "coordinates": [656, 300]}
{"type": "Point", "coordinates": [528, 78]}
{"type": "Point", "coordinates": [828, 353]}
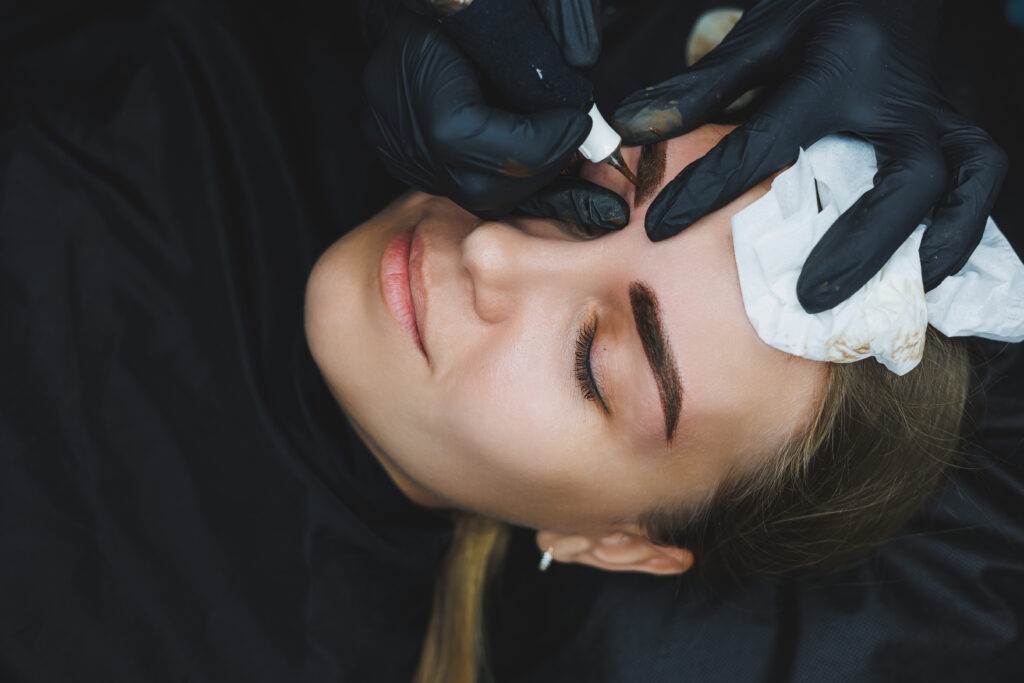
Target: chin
{"type": "Point", "coordinates": [358, 350]}
{"type": "Point", "coordinates": [338, 322]}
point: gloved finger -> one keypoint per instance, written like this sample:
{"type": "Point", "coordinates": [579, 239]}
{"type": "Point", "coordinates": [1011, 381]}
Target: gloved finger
{"type": "Point", "coordinates": [594, 209]}
{"type": "Point", "coordinates": [444, 100]}
{"type": "Point", "coordinates": [464, 131]}
{"type": "Point", "coordinates": [388, 139]}
{"type": "Point", "coordinates": [910, 180]}
{"type": "Point", "coordinates": [749, 154]}
{"type": "Point", "coordinates": [978, 167]}
{"type": "Point", "coordinates": [491, 196]}
{"type": "Point", "coordinates": [683, 102]}
{"type": "Point", "coordinates": [390, 119]}
{"type": "Point", "coordinates": [576, 26]}
{"type": "Point", "coordinates": [751, 50]}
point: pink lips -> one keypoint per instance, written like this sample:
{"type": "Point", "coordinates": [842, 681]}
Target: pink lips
{"type": "Point", "coordinates": [402, 255]}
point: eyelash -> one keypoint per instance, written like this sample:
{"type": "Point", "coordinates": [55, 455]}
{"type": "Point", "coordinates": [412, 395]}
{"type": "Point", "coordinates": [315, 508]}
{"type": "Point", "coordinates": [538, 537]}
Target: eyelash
{"type": "Point", "coordinates": [584, 372]}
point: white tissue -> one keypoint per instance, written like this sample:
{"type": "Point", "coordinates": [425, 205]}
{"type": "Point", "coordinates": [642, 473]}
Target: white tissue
{"type": "Point", "coordinates": [888, 316]}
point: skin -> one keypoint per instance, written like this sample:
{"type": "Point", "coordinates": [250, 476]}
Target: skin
{"type": "Point", "coordinates": [496, 423]}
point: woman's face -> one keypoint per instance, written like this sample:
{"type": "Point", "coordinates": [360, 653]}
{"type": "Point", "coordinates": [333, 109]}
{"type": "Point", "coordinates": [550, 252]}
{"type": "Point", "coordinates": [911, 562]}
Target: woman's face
{"type": "Point", "coordinates": [562, 383]}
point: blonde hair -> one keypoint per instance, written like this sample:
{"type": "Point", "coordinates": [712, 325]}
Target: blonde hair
{"type": "Point", "coordinates": [455, 647]}
{"type": "Point", "coordinates": [875, 452]}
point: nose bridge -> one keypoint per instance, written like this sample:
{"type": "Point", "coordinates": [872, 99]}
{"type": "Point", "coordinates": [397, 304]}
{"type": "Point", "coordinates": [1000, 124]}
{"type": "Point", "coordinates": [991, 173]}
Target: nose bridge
{"type": "Point", "coordinates": [506, 265]}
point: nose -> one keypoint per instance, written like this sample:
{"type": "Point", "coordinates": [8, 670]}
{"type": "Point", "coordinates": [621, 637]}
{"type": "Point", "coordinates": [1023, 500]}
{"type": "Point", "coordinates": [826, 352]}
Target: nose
{"type": "Point", "coordinates": [505, 265]}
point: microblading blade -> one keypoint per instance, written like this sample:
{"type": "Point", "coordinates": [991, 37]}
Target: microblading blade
{"type": "Point", "coordinates": [616, 161]}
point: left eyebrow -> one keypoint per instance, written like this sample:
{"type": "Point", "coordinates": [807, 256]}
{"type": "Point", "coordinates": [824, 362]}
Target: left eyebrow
{"type": "Point", "coordinates": [647, 317]}
{"type": "Point", "coordinates": [650, 169]}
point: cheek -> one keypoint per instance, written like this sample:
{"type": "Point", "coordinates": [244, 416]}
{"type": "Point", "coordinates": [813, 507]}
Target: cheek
{"type": "Point", "coordinates": [527, 449]}
{"type": "Point", "coordinates": [506, 411]}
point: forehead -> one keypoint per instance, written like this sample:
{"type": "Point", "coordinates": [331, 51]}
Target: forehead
{"type": "Point", "coordinates": [739, 392]}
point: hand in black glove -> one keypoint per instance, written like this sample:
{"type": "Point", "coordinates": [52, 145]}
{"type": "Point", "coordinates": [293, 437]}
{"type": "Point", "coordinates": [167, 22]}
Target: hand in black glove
{"type": "Point", "coordinates": [429, 123]}
{"type": "Point", "coordinates": [860, 66]}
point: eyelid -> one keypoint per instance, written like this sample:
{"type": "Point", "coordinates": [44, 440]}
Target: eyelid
{"type": "Point", "coordinates": [583, 368]}
{"type": "Point", "coordinates": [593, 372]}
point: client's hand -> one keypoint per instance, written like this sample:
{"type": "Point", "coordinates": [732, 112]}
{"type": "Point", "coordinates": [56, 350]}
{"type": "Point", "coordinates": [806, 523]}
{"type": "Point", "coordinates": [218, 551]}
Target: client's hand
{"type": "Point", "coordinates": [860, 66]}
{"type": "Point", "coordinates": [430, 125]}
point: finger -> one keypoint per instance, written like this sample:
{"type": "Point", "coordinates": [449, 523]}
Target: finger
{"type": "Point", "coordinates": [576, 26]}
{"type": "Point", "coordinates": [593, 208]}
{"type": "Point", "coordinates": [748, 52]}
{"type": "Point", "coordinates": [390, 146]}
{"type": "Point", "coordinates": [683, 102]}
{"type": "Point", "coordinates": [462, 130]}
{"type": "Point", "coordinates": [491, 196]}
{"type": "Point", "coordinates": [910, 179]}
{"type": "Point", "coordinates": [768, 141]}
{"type": "Point", "coordinates": [473, 135]}
{"type": "Point", "coordinates": [978, 167]}
{"type": "Point", "coordinates": [393, 82]}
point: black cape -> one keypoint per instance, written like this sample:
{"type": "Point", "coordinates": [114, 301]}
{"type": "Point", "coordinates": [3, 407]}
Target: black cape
{"type": "Point", "coordinates": [180, 497]}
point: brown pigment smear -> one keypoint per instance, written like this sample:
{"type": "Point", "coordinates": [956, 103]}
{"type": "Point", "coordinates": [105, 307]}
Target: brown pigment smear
{"type": "Point", "coordinates": [649, 171]}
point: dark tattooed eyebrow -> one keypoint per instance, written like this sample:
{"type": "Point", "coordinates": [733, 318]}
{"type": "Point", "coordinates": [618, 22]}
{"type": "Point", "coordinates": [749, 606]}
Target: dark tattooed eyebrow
{"type": "Point", "coordinates": [647, 317]}
{"type": "Point", "coordinates": [649, 171]}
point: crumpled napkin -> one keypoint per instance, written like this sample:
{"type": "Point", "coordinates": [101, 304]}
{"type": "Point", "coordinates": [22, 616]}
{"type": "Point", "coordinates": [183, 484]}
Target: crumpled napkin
{"type": "Point", "coordinates": [888, 316]}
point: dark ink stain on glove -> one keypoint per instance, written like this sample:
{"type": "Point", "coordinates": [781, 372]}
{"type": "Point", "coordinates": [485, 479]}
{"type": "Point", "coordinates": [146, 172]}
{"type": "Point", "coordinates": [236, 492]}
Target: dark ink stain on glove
{"type": "Point", "coordinates": [645, 122]}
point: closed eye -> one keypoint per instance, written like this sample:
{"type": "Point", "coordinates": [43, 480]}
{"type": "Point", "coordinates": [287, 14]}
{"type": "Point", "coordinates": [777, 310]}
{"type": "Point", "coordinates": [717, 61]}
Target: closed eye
{"type": "Point", "coordinates": [583, 370]}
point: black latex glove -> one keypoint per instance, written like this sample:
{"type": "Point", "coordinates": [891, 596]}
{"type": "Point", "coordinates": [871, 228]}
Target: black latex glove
{"type": "Point", "coordinates": [859, 66]}
{"type": "Point", "coordinates": [428, 120]}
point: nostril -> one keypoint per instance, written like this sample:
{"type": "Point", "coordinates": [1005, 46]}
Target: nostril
{"type": "Point", "coordinates": [486, 251]}
{"type": "Point", "coordinates": [490, 306]}
{"type": "Point", "coordinates": [489, 255]}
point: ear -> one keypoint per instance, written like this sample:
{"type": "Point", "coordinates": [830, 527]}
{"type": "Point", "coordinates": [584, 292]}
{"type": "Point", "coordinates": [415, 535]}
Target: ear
{"type": "Point", "coordinates": [617, 551]}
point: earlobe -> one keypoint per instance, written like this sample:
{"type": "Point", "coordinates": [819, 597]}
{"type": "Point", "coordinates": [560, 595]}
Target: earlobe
{"type": "Point", "coordinates": [617, 552]}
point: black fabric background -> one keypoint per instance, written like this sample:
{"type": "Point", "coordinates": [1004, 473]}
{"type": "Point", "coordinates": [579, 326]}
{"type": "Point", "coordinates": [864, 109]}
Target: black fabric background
{"type": "Point", "coordinates": [180, 498]}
